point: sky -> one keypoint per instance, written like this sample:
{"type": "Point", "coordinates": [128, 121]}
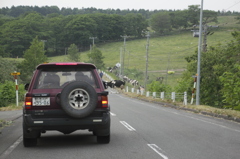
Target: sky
{"type": "Point", "coordinates": [226, 5]}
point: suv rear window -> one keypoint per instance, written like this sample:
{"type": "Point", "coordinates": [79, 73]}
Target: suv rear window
{"type": "Point", "coordinates": [59, 79]}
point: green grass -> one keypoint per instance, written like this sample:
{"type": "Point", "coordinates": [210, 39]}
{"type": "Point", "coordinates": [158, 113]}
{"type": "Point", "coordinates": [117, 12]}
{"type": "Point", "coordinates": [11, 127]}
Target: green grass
{"type": "Point", "coordinates": [12, 107]}
{"type": "Point", "coordinates": [227, 22]}
{"type": "Point", "coordinates": [165, 52]}
{"type": "Point", "coordinates": [15, 59]}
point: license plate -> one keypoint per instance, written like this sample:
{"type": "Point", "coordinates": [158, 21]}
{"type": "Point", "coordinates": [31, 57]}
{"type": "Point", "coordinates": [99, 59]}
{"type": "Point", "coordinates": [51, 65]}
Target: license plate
{"type": "Point", "coordinates": [41, 101]}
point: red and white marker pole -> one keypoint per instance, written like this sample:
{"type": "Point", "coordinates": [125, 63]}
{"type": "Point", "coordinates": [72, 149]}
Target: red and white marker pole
{"type": "Point", "coordinates": [15, 74]}
{"type": "Point", "coordinates": [194, 88]}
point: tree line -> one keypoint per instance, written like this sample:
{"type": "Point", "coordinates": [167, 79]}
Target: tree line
{"type": "Point", "coordinates": [58, 31]}
{"type": "Point", "coordinates": [15, 11]}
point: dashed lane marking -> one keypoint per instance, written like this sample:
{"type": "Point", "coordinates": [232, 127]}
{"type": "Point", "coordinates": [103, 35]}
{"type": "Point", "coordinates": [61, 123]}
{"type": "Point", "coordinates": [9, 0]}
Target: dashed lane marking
{"type": "Point", "coordinates": [158, 150]}
{"type": "Point", "coordinates": [130, 128]}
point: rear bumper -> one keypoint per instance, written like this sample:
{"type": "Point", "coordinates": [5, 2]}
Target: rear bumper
{"type": "Point", "coordinates": [67, 123]}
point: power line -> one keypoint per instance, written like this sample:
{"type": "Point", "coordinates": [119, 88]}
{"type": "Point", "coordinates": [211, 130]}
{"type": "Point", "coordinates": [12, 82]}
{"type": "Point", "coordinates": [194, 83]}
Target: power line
{"type": "Point", "coordinates": [232, 5]}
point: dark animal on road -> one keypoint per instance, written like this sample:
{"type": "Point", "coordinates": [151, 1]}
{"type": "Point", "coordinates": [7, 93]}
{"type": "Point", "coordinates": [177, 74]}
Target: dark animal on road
{"type": "Point", "coordinates": [116, 83]}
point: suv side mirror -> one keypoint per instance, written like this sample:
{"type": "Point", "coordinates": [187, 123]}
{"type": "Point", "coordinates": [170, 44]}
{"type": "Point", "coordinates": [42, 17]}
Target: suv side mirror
{"type": "Point", "coordinates": [26, 86]}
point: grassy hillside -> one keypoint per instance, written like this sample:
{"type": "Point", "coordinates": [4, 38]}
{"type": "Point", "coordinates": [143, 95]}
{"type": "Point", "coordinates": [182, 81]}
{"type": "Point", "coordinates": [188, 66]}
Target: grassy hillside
{"type": "Point", "coordinates": [165, 52]}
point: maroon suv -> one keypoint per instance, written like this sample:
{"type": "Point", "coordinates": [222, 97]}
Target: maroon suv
{"type": "Point", "coordinates": [65, 97]}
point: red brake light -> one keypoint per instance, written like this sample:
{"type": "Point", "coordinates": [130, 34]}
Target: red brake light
{"type": "Point", "coordinates": [28, 102]}
{"type": "Point", "coordinates": [66, 63]}
{"type": "Point", "coordinates": [104, 101]}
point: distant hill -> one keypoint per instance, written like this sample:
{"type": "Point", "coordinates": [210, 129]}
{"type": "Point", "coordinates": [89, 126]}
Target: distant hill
{"type": "Point", "coordinates": [166, 53]}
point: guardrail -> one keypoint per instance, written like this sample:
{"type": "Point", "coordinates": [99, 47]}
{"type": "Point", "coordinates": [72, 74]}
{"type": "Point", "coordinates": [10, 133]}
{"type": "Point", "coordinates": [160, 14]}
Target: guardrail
{"type": "Point", "coordinates": [161, 95]}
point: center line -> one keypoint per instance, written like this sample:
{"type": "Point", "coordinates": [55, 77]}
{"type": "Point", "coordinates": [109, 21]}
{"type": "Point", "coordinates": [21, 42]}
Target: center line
{"type": "Point", "coordinates": [157, 150]}
{"type": "Point", "coordinates": [130, 128]}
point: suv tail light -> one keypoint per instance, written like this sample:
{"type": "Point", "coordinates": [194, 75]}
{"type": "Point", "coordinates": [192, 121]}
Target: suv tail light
{"type": "Point", "coordinates": [104, 102]}
{"type": "Point", "coordinates": [28, 102]}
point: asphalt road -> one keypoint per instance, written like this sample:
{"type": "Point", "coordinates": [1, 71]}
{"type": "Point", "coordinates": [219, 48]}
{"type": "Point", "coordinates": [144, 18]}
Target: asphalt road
{"type": "Point", "coordinates": [139, 130]}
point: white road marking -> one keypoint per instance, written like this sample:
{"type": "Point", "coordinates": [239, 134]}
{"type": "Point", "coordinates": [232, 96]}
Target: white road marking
{"type": "Point", "coordinates": [195, 118]}
{"type": "Point", "coordinates": [11, 148]}
{"type": "Point", "coordinates": [158, 150]}
{"type": "Point", "coordinates": [219, 125]}
{"type": "Point", "coordinates": [130, 128]}
{"type": "Point", "coordinates": [112, 114]}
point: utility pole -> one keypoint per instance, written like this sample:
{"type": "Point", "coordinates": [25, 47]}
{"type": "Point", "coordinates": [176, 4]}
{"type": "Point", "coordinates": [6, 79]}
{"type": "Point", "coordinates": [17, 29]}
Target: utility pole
{"type": "Point", "coordinates": [66, 50]}
{"type": "Point", "coordinates": [200, 49]}
{"type": "Point", "coordinates": [93, 38]}
{"type": "Point", "coordinates": [199, 56]}
{"type": "Point", "coordinates": [43, 43]}
{"type": "Point", "coordinates": [124, 50]}
{"type": "Point", "coordinates": [205, 28]}
{"type": "Point", "coordinates": [205, 34]}
{"type": "Point", "coordinates": [120, 62]}
{"type": "Point", "coordinates": [128, 58]}
{"type": "Point", "coordinates": [146, 71]}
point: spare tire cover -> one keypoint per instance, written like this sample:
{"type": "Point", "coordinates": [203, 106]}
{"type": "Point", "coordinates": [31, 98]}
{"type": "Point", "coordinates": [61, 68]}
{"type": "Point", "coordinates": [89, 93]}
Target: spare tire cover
{"type": "Point", "coordinates": [78, 99]}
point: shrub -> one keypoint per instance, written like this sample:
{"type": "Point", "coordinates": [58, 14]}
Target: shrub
{"type": "Point", "coordinates": [7, 67]}
{"type": "Point", "coordinates": [8, 93]}
{"type": "Point", "coordinates": [156, 86]}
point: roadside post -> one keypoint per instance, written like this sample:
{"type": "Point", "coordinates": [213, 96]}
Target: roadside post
{"type": "Point", "coordinates": [15, 74]}
{"type": "Point", "coordinates": [194, 88]}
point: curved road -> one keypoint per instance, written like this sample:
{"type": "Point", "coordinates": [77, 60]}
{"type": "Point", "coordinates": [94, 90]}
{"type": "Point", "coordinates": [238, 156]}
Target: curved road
{"type": "Point", "coordinates": [139, 130]}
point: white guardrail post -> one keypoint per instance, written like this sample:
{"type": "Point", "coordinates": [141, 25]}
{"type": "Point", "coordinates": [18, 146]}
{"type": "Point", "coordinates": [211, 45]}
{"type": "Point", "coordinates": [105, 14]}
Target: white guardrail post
{"type": "Point", "coordinates": [154, 94]}
{"type": "Point", "coordinates": [185, 98]}
{"type": "Point", "coordinates": [138, 92]}
{"type": "Point", "coordinates": [173, 96]}
{"type": "Point", "coordinates": [162, 95]}
{"type": "Point", "coordinates": [147, 95]}
{"type": "Point", "coordinates": [132, 90]}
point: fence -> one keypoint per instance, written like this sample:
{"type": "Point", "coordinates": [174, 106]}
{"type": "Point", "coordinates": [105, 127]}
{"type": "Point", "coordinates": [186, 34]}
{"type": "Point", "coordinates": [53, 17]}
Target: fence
{"type": "Point", "coordinates": [161, 95]}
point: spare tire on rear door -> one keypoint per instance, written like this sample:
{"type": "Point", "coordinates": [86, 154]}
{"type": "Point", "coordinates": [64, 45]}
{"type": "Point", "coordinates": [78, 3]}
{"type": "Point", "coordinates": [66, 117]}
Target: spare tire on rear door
{"type": "Point", "coordinates": [78, 99]}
